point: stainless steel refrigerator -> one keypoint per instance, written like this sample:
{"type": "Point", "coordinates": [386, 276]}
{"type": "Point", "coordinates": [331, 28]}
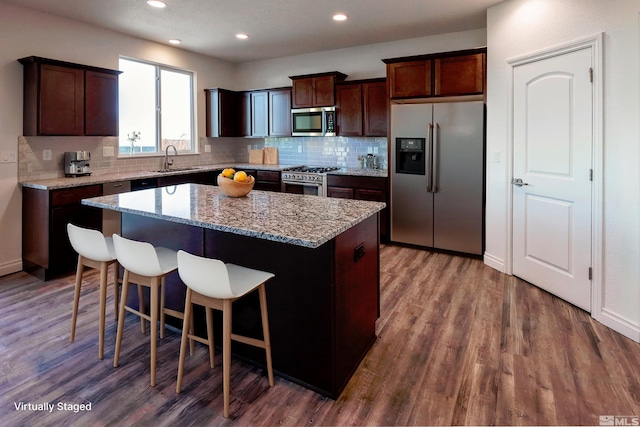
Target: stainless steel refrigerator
{"type": "Point", "coordinates": [437, 175]}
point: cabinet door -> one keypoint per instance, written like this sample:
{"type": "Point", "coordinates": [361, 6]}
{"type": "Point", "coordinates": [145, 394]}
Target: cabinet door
{"type": "Point", "coordinates": [280, 112]}
{"type": "Point", "coordinates": [324, 91]}
{"type": "Point", "coordinates": [374, 100]}
{"type": "Point", "coordinates": [340, 193]}
{"type": "Point", "coordinates": [260, 113]}
{"type": "Point", "coordinates": [410, 79]}
{"type": "Point", "coordinates": [222, 113]}
{"type": "Point", "coordinates": [460, 75]}
{"type": "Point", "coordinates": [349, 103]}
{"type": "Point", "coordinates": [302, 93]}
{"type": "Point", "coordinates": [101, 104]}
{"type": "Point", "coordinates": [61, 97]}
{"type": "Point", "coordinates": [245, 114]}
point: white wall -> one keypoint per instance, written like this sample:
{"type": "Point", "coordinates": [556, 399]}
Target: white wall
{"type": "Point", "coordinates": [25, 33]}
{"type": "Point", "coordinates": [361, 62]}
{"type": "Point", "coordinates": [519, 27]}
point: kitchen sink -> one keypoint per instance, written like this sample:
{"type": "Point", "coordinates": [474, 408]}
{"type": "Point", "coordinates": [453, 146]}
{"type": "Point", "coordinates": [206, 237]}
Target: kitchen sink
{"type": "Point", "coordinates": [176, 169]}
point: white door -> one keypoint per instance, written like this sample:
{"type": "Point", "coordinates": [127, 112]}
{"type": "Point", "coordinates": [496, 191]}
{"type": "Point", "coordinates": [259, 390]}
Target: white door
{"type": "Point", "coordinates": [553, 137]}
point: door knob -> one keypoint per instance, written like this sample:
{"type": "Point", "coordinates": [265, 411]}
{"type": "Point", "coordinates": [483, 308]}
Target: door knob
{"type": "Point", "coordinates": [518, 182]}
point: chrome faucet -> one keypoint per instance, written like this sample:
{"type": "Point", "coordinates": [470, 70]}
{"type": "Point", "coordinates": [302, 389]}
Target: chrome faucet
{"type": "Point", "coordinates": [167, 162]}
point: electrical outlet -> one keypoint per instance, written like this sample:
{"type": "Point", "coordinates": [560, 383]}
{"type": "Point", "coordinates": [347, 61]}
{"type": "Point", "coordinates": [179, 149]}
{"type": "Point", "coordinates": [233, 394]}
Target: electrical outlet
{"type": "Point", "coordinates": [496, 156]}
{"type": "Point", "coordinates": [107, 151]}
{"type": "Point", "coordinates": [299, 148]}
{"type": "Point", "coordinates": [375, 150]}
{"type": "Point", "coordinates": [46, 155]}
{"type": "Point", "coordinates": [207, 148]}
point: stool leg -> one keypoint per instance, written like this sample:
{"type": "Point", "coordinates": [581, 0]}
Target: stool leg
{"type": "Point", "coordinates": [265, 331]}
{"type": "Point", "coordinates": [162, 302]}
{"type": "Point", "coordinates": [153, 308]}
{"type": "Point", "coordinates": [104, 271]}
{"type": "Point", "coordinates": [226, 354]}
{"type": "Point", "coordinates": [143, 325]}
{"type": "Point", "coordinates": [116, 288]}
{"type": "Point", "coordinates": [123, 301]}
{"type": "Point", "coordinates": [192, 343]}
{"type": "Point", "coordinates": [76, 297]}
{"type": "Point", "coordinates": [183, 342]}
{"type": "Point", "coordinates": [209, 313]}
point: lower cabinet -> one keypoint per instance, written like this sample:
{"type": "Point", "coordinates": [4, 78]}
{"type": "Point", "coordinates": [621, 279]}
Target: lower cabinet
{"type": "Point", "coordinates": [46, 251]}
{"type": "Point", "coordinates": [374, 189]}
{"type": "Point", "coordinates": [265, 180]}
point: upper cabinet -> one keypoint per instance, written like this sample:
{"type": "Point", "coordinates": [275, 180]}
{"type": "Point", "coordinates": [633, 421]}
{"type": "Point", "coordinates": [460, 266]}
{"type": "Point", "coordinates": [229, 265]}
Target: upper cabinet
{"type": "Point", "coordinates": [66, 99]}
{"type": "Point", "coordinates": [443, 74]}
{"type": "Point", "coordinates": [362, 108]}
{"type": "Point", "coordinates": [315, 90]}
{"type": "Point", "coordinates": [222, 112]}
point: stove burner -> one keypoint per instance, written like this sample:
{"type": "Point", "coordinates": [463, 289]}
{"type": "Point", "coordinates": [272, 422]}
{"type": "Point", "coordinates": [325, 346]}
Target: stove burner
{"type": "Point", "coordinates": [312, 169]}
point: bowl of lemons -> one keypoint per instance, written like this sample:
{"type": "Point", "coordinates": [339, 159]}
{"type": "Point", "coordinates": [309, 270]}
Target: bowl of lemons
{"type": "Point", "coordinates": [235, 184]}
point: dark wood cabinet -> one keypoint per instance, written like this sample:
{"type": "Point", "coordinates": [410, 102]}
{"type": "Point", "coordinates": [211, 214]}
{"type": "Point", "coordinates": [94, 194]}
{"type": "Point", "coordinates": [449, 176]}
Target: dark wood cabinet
{"type": "Point", "coordinates": [315, 90]}
{"type": "Point", "coordinates": [349, 103]}
{"type": "Point", "coordinates": [375, 103]}
{"type": "Point", "coordinates": [411, 79]}
{"type": "Point", "coordinates": [362, 108]}
{"type": "Point", "coordinates": [222, 113]}
{"type": "Point", "coordinates": [66, 99]}
{"type": "Point", "coordinates": [362, 188]}
{"type": "Point", "coordinates": [245, 114]}
{"type": "Point", "coordinates": [459, 73]}
{"type": "Point", "coordinates": [266, 180]}
{"type": "Point", "coordinates": [46, 251]}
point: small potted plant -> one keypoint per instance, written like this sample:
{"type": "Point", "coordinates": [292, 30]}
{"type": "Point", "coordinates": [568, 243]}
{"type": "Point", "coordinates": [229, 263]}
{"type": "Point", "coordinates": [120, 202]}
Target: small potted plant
{"type": "Point", "coordinates": [133, 138]}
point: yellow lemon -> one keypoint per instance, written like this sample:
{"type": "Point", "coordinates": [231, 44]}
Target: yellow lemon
{"type": "Point", "coordinates": [240, 176]}
{"type": "Point", "coordinates": [228, 172]}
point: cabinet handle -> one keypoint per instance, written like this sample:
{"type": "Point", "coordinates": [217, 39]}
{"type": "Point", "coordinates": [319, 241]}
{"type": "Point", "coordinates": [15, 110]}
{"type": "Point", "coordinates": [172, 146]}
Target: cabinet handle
{"type": "Point", "coordinates": [117, 185]}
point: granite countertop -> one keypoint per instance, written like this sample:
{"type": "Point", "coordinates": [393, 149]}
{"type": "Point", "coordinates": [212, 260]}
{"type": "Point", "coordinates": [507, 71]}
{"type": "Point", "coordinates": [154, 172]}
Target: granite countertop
{"type": "Point", "coordinates": [70, 182]}
{"type": "Point", "coordinates": [308, 221]}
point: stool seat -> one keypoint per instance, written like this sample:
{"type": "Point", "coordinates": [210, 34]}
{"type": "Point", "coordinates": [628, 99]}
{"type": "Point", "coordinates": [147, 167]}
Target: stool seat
{"type": "Point", "coordinates": [94, 251]}
{"type": "Point", "coordinates": [148, 266]}
{"type": "Point", "coordinates": [215, 285]}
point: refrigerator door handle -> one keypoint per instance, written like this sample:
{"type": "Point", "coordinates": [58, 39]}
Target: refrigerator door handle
{"type": "Point", "coordinates": [434, 160]}
{"type": "Point", "coordinates": [429, 159]}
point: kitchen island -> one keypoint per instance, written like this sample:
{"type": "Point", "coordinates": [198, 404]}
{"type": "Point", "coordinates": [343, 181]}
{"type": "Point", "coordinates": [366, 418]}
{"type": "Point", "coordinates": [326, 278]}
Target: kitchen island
{"type": "Point", "coordinates": [324, 299]}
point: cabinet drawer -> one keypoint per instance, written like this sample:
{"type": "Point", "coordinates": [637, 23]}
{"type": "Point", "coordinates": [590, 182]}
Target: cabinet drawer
{"type": "Point", "coordinates": [74, 195]}
{"type": "Point", "coordinates": [273, 176]}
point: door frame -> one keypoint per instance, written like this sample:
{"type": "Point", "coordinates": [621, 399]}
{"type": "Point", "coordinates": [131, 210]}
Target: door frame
{"type": "Point", "coordinates": [595, 42]}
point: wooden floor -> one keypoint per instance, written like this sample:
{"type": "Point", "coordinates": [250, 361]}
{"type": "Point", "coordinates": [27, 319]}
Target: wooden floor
{"type": "Point", "coordinates": [459, 344]}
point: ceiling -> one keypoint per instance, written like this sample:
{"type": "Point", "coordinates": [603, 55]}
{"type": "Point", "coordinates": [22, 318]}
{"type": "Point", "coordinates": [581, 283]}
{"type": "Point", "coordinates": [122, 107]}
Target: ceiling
{"type": "Point", "coordinates": [276, 28]}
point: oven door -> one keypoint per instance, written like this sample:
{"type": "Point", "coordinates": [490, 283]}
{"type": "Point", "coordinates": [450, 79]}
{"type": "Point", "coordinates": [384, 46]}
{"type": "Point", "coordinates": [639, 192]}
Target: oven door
{"type": "Point", "coordinates": [309, 188]}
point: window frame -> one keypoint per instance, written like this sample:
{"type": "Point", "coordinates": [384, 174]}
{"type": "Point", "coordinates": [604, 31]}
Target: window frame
{"type": "Point", "coordinates": [158, 67]}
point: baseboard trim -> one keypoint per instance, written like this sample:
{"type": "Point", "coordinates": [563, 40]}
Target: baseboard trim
{"type": "Point", "coordinates": [618, 324]}
{"type": "Point", "coordinates": [10, 267]}
{"type": "Point", "coordinates": [494, 262]}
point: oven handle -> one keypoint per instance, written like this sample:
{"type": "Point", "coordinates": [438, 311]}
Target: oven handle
{"type": "Point", "coordinates": [304, 184]}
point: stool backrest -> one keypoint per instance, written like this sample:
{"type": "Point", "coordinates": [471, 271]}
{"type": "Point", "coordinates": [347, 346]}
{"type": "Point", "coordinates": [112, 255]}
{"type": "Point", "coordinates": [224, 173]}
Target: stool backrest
{"type": "Point", "coordinates": [206, 276]}
{"type": "Point", "coordinates": [137, 257]}
{"type": "Point", "coordinates": [89, 243]}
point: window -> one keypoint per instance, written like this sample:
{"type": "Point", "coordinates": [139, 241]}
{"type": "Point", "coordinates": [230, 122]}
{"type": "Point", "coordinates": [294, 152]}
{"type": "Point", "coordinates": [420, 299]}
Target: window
{"type": "Point", "coordinates": [156, 108]}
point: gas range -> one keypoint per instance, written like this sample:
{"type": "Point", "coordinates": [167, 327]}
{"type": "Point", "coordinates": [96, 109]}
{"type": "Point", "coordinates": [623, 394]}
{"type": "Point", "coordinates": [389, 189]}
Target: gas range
{"type": "Point", "coordinates": [306, 179]}
{"type": "Point", "coordinates": [307, 173]}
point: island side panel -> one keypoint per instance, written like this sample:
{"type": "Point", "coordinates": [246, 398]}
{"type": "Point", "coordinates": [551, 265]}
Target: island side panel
{"type": "Point", "coordinates": [170, 235]}
{"type": "Point", "coordinates": [300, 304]}
{"type": "Point", "coordinates": [357, 288]}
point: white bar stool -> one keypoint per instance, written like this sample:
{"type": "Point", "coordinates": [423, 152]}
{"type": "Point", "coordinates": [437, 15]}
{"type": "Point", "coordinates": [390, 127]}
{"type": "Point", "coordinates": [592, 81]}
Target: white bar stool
{"type": "Point", "coordinates": [145, 265]}
{"type": "Point", "coordinates": [94, 251]}
{"type": "Point", "coordinates": [215, 285]}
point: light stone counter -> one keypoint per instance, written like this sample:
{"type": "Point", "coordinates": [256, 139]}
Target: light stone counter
{"type": "Point", "coordinates": [307, 221]}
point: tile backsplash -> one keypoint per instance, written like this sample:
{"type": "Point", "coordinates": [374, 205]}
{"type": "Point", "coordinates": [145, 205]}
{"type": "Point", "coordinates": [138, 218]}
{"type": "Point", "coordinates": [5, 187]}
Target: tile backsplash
{"type": "Point", "coordinates": [314, 151]}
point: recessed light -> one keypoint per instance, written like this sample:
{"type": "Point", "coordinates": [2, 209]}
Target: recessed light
{"type": "Point", "coordinates": [157, 3]}
{"type": "Point", "coordinates": [175, 41]}
{"type": "Point", "coordinates": [339, 17]}
{"type": "Point", "coordinates": [242, 36]}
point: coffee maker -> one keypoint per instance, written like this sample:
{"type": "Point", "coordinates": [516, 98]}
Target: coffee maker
{"type": "Point", "coordinates": [76, 163]}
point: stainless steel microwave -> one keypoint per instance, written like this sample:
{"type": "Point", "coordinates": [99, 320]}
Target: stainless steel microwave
{"type": "Point", "coordinates": [320, 121]}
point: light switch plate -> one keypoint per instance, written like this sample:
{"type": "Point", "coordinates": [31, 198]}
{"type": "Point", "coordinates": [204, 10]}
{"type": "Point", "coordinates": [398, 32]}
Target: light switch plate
{"type": "Point", "coordinates": [46, 155]}
{"type": "Point", "coordinates": [107, 151]}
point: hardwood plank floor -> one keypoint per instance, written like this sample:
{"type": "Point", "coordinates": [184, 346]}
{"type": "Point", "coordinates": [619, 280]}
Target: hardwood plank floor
{"type": "Point", "coordinates": [459, 344]}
